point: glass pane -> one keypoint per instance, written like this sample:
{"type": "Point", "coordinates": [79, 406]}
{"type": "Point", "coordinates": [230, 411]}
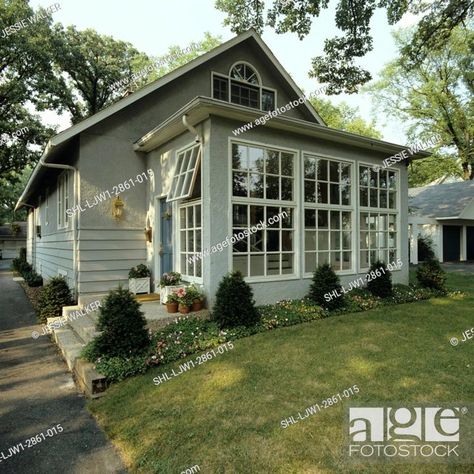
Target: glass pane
{"type": "Point", "coordinates": [346, 260]}
{"type": "Point", "coordinates": [257, 265]}
{"type": "Point", "coordinates": [334, 193]}
{"type": "Point", "coordinates": [382, 179]}
{"type": "Point", "coordinates": [383, 198]}
{"type": "Point", "coordinates": [182, 218]}
{"type": "Point", "coordinates": [392, 199]}
{"type": "Point", "coordinates": [334, 171]}
{"type": "Point", "coordinates": [335, 220]}
{"type": "Point", "coordinates": [198, 268]}
{"type": "Point", "coordinates": [323, 219]}
{"type": "Point", "coordinates": [286, 189]}
{"type": "Point", "coordinates": [272, 162]}
{"type": "Point", "coordinates": [364, 197]}
{"type": "Point", "coordinates": [273, 264]}
{"type": "Point", "coordinates": [309, 262]}
{"type": "Point", "coordinates": [198, 241]}
{"type": "Point", "coordinates": [392, 181]}
{"type": "Point", "coordinates": [287, 164]}
{"type": "Point", "coordinates": [256, 185]}
{"type": "Point", "coordinates": [183, 241]}
{"type": "Point", "coordinates": [256, 159]}
{"type": "Point", "coordinates": [346, 172]}
{"type": "Point", "coordinates": [239, 213]}
{"type": "Point", "coordinates": [346, 220]}
{"type": "Point", "coordinates": [273, 187]}
{"type": "Point", "coordinates": [239, 263]}
{"type": "Point", "coordinates": [364, 220]}
{"type": "Point", "coordinates": [309, 168]}
{"type": "Point", "coordinates": [323, 258]}
{"type": "Point", "coordinates": [273, 240]}
{"type": "Point", "coordinates": [323, 240]}
{"type": "Point", "coordinates": [183, 263]}
{"type": "Point", "coordinates": [239, 184]}
{"type": "Point", "coordinates": [322, 170]}
{"type": "Point", "coordinates": [392, 222]}
{"type": "Point", "coordinates": [309, 191]}
{"type": "Point", "coordinates": [268, 100]}
{"type": "Point", "coordinates": [190, 214]}
{"type": "Point", "coordinates": [345, 194]}
{"type": "Point", "coordinates": [336, 260]}
{"type": "Point", "coordinates": [310, 218]}
{"type": "Point", "coordinates": [197, 215]}
{"type": "Point", "coordinates": [310, 240]}
{"type": "Point", "coordinates": [256, 241]}
{"type": "Point", "coordinates": [373, 178]}
{"type": "Point", "coordinates": [363, 176]}
{"type": "Point", "coordinates": [239, 157]}
{"type": "Point", "coordinates": [287, 221]}
{"type": "Point", "coordinates": [272, 212]}
{"type": "Point", "coordinates": [373, 197]}
{"type": "Point", "coordinates": [392, 239]}
{"type": "Point", "coordinates": [287, 263]}
{"type": "Point", "coordinates": [190, 268]}
{"type": "Point", "coordinates": [392, 256]}
{"type": "Point", "coordinates": [346, 240]}
{"type": "Point", "coordinates": [323, 193]}
{"type": "Point", "coordinates": [335, 240]}
{"type": "Point", "coordinates": [256, 214]}
{"type": "Point", "coordinates": [241, 244]}
{"type": "Point", "coordinates": [287, 240]}
{"type": "Point", "coordinates": [364, 240]}
{"type": "Point", "coordinates": [364, 259]}
{"type": "Point", "coordinates": [190, 237]}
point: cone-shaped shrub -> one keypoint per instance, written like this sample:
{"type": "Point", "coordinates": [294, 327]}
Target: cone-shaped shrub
{"type": "Point", "coordinates": [123, 326]}
{"type": "Point", "coordinates": [235, 305]}
{"type": "Point", "coordinates": [379, 280]}
{"type": "Point", "coordinates": [431, 275]}
{"type": "Point", "coordinates": [54, 296]}
{"type": "Point", "coordinates": [325, 281]}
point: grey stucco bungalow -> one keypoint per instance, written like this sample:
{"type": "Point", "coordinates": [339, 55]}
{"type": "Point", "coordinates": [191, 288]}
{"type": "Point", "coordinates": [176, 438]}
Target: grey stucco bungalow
{"type": "Point", "coordinates": [172, 153]}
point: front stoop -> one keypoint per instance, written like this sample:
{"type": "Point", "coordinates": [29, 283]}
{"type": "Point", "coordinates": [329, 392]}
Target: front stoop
{"type": "Point", "coordinates": [71, 338]}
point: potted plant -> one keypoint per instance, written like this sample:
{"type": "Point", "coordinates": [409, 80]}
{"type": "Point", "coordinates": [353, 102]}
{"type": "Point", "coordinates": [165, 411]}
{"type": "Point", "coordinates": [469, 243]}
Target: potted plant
{"type": "Point", "coordinates": [172, 303]}
{"type": "Point", "coordinates": [196, 296]}
{"type": "Point", "coordinates": [184, 300]}
{"type": "Point", "coordinates": [169, 283]}
{"type": "Point", "coordinates": [139, 279]}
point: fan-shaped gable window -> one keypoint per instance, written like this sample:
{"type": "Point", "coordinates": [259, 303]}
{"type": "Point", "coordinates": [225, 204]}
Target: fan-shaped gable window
{"type": "Point", "coordinates": [245, 73]}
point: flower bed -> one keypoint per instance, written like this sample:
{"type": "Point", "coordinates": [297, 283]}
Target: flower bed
{"type": "Point", "coordinates": [188, 335]}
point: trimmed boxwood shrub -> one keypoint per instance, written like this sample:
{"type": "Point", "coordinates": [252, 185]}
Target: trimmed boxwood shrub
{"type": "Point", "coordinates": [325, 281]}
{"type": "Point", "coordinates": [54, 296]}
{"type": "Point", "coordinates": [379, 282]}
{"type": "Point", "coordinates": [33, 279]}
{"type": "Point", "coordinates": [123, 327]}
{"type": "Point", "coordinates": [431, 275]}
{"type": "Point", "coordinates": [234, 305]}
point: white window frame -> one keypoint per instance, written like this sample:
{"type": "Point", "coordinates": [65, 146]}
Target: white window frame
{"type": "Point", "coordinates": [62, 190]}
{"type": "Point", "coordinates": [258, 86]}
{"type": "Point", "coordinates": [378, 210]}
{"type": "Point", "coordinates": [351, 208]}
{"type": "Point", "coordinates": [181, 172]}
{"type": "Point", "coordinates": [183, 205]}
{"type": "Point", "coordinates": [268, 203]}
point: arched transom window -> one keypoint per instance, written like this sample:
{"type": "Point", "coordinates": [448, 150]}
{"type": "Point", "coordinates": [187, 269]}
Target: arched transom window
{"type": "Point", "coordinates": [243, 86]}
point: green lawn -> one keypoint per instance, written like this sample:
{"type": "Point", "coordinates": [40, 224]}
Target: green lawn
{"type": "Point", "coordinates": [225, 414]}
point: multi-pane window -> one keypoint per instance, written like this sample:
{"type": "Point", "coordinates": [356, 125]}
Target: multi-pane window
{"type": "Point", "coordinates": [269, 250]}
{"type": "Point", "coordinates": [245, 88]}
{"type": "Point", "coordinates": [327, 213]}
{"type": "Point", "coordinates": [262, 188]}
{"type": "Point", "coordinates": [187, 164]}
{"type": "Point", "coordinates": [378, 216]}
{"type": "Point", "coordinates": [63, 199]}
{"type": "Point", "coordinates": [190, 239]}
{"type": "Point", "coordinates": [262, 173]}
{"type": "Point", "coordinates": [327, 181]}
{"type": "Point", "coordinates": [327, 239]}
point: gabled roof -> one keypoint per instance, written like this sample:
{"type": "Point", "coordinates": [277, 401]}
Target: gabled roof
{"type": "Point", "coordinates": [448, 200]}
{"type": "Point", "coordinates": [63, 138]}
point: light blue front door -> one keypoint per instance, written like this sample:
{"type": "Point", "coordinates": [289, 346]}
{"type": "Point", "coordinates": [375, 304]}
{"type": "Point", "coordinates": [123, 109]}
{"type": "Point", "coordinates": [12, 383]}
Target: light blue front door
{"type": "Point", "coordinates": [166, 248]}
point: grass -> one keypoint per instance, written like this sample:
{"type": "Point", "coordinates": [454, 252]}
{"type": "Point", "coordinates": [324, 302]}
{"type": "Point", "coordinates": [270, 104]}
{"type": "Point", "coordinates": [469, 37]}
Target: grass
{"type": "Point", "coordinates": [224, 415]}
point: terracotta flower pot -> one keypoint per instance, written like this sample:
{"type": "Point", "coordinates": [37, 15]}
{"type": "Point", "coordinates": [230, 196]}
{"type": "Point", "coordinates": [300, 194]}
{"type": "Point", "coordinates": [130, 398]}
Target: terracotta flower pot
{"type": "Point", "coordinates": [197, 305]}
{"type": "Point", "coordinates": [172, 307]}
{"type": "Point", "coordinates": [183, 309]}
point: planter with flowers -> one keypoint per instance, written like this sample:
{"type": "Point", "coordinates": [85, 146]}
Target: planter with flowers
{"type": "Point", "coordinates": [169, 283]}
{"type": "Point", "coordinates": [139, 279]}
{"type": "Point", "coordinates": [196, 297]}
{"type": "Point", "coordinates": [184, 300]}
{"type": "Point", "coordinates": [172, 303]}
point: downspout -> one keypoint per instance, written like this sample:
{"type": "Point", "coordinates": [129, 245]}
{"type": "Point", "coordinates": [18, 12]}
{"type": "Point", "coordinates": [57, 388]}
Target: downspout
{"type": "Point", "coordinates": [191, 129]}
{"type": "Point", "coordinates": [75, 217]}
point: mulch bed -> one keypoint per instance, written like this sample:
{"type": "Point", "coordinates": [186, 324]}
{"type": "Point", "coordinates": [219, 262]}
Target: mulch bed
{"type": "Point", "coordinates": [32, 294]}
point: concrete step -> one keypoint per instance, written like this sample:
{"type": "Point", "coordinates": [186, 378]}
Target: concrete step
{"type": "Point", "coordinates": [84, 327]}
{"type": "Point", "coordinates": [92, 383]}
{"type": "Point", "coordinates": [69, 344]}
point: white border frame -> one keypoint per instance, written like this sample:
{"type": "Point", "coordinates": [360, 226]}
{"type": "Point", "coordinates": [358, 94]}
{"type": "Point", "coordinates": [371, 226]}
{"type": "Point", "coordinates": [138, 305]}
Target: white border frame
{"type": "Point", "coordinates": [263, 202]}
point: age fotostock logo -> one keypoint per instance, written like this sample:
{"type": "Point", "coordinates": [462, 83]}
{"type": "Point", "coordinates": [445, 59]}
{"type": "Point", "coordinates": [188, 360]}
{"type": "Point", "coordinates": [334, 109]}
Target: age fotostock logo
{"type": "Point", "coordinates": [427, 434]}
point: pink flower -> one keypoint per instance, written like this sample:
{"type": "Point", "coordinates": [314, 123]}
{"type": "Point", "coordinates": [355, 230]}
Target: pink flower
{"type": "Point", "coordinates": [181, 292]}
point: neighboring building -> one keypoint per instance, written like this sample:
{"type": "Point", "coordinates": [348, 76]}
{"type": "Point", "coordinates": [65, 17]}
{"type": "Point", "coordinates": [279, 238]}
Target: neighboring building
{"type": "Point", "coordinates": [210, 181]}
{"type": "Point", "coordinates": [12, 239]}
{"type": "Point", "coordinates": [444, 212]}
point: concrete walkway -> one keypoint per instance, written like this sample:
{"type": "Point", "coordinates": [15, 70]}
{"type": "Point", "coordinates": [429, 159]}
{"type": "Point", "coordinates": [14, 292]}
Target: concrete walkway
{"type": "Point", "coordinates": [37, 393]}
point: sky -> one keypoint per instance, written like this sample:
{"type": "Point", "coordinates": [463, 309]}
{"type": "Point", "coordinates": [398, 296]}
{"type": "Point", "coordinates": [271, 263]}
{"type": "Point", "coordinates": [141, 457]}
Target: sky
{"type": "Point", "coordinates": [152, 26]}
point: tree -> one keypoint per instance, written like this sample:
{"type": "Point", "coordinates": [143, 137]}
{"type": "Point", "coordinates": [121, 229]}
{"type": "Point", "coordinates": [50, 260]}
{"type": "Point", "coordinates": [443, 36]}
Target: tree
{"type": "Point", "coordinates": [344, 117]}
{"type": "Point", "coordinates": [435, 99]}
{"type": "Point", "coordinates": [338, 65]}
{"type": "Point", "coordinates": [10, 192]}
{"type": "Point", "coordinates": [24, 68]}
